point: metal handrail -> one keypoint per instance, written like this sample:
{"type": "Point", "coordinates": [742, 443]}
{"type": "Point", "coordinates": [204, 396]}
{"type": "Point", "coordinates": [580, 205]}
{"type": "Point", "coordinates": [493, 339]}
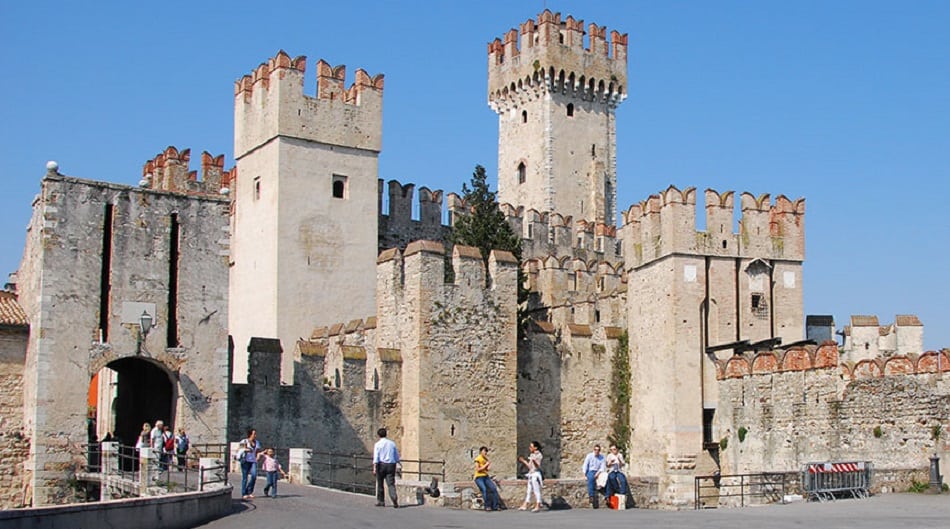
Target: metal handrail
{"type": "Point", "coordinates": [768, 485]}
{"type": "Point", "coordinates": [354, 472]}
{"type": "Point", "coordinates": [171, 474]}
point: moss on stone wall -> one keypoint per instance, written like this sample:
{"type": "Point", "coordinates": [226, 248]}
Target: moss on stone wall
{"type": "Point", "coordinates": [620, 394]}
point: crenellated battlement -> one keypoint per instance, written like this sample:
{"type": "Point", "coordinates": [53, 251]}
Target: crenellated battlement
{"type": "Point", "coordinates": [270, 102]}
{"type": "Point", "coordinates": [665, 224]}
{"type": "Point", "coordinates": [422, 266]}
{"type": "Point", "coordinates": [826, 356]}
{"type": "Point", "coordinates": [400, 203]}
{"type": "Point", "coordinates": [566, 281]}
{"type": "Point", "coordinates": [545, 234]}
{"type": "Point", "coordinates": [550, 54]}
{"type": "Point", "coordinates": [169, 171]}
{"type": "Point", "coordinates": [396, 226]}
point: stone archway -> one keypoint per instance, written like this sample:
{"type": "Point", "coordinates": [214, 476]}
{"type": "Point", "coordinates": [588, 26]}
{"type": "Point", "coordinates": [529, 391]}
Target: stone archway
{"type": "Point", "coordinates": [143, 392]}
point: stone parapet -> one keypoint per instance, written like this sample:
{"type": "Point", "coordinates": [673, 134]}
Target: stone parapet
{"type": "Point", "coordinates": [665, 224]}
{"type": "Point", "coordinates": [270, 102]}
{"type": "Point", "coordinates": [550, 54]}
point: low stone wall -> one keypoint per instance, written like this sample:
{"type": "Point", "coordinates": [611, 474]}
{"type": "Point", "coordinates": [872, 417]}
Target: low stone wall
{"type": "Point", "coordinates": [173, 511]}
{"type": "Point", "coordinates": [557, 493]}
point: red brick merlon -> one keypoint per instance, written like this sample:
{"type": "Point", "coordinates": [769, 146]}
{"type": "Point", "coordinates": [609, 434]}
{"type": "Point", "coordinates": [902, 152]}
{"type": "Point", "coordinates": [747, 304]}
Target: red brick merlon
{"type": "Point", "coordinates": [825, 356]}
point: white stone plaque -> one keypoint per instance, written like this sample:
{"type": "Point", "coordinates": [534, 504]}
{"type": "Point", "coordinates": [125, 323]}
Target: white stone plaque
{"type": "Point", "coordinates": [132, 311]}
{"type": "Point", "coordinates": [689, 273]}
{"type": "Point", "coordinates": [789, 279]}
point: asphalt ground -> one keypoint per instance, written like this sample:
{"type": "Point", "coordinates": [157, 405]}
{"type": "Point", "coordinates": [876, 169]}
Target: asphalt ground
{"type": "Point", "coordinates": [308, 507]}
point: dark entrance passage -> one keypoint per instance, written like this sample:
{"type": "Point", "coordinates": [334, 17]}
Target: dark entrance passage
{"type": "Point", "coordinates": [144, 394]}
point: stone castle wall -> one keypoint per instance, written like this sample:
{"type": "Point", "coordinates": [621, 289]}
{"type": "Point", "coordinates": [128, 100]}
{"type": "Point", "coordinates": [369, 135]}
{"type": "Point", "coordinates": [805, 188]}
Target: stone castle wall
{"type": "Point", "coordinates": [61, 292]}
{"type": "Point", "coordinates": [436, 367]}
{"type": "Point", "coordinates": [320, 410]}
{"type": "Point", "coordinates": [304, 208]}
{"type": "Point", "coordinates": [564, 390]}
{"type": "Point", "coordinates": [14, 442]}
{"type": "Point", "coordinates": [397, 227]}
{"type": "Point", "coordinates": [802, 405]}
{"type": "Point", "coordinates": [555, 97]}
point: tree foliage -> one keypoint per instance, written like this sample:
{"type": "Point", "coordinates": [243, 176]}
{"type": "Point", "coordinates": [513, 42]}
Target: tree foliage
{"type": "Point", "coordinates": [484, 227]}
{"type": "Point", "coordinates": [620, 396]}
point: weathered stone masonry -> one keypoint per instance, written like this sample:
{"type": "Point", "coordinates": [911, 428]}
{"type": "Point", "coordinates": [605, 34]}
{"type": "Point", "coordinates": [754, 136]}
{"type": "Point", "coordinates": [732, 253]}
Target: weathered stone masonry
{"type": "Point", "coordinates": [60, 290]}
{"type": "Point", "coordinates": [804, 405]}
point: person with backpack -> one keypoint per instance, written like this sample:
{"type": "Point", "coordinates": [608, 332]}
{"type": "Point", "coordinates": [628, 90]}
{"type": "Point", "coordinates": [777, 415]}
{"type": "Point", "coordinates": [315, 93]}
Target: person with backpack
{"type": "Point", "coordinates": [168, 446]}
{"type": "Point", "coordinates": [182, 443]}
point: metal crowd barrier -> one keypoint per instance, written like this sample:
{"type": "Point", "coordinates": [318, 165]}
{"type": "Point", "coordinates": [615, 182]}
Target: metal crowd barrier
{"type": "Point", "coordinates": [827, 481]}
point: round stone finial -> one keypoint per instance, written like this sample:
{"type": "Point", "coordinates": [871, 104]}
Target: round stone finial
{"type": "Point", "coordinates": [224, 191]}
{"type": "Point", "coordinates": [52, 166]}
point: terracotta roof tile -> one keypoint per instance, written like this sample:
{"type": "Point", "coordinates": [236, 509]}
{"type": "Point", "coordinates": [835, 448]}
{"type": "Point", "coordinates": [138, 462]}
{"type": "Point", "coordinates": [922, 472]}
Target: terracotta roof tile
{"type": "Point", "coordinates": [469, 252]}
{"type": "Point", "coordinates": [864, 321]}
{"type": "Point", "coordinates": [311, 348]}
{"type": "Point", "coordinates": [11, 313]}
{"type": "Point", "coordinates": [579, 330]}
{"type": "Point", "coordinates": [907, 320]}
{"type": "Point", "coordinates": [386, 354]}
{"type": "Point", "coordinates": [354, 352]}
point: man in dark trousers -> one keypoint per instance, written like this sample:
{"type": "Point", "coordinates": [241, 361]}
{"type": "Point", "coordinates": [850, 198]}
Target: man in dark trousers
{"type": "Point", "coordinates": [385, 458]}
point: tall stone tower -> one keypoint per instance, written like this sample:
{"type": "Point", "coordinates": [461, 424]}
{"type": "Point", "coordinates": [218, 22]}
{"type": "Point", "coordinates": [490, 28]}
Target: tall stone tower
{"type": "Point", "coordinates": [555, 96]}
{"type": "Point", "coordinates": [305, 205]}
{"type": "Point", "coordinates": [692, 295]}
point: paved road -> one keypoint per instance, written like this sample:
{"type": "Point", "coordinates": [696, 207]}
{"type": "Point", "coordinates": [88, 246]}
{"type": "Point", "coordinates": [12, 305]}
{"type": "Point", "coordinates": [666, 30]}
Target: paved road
{"type": "Point", "coordinates": [310, 507]}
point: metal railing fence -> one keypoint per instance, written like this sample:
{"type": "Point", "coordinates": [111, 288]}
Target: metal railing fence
{"type": "Point", "coordinates": [172, 472]}
{"type": "Point", "coordinates": [709, 491]}
{"type": "Point", "coordinates": [354, 472]}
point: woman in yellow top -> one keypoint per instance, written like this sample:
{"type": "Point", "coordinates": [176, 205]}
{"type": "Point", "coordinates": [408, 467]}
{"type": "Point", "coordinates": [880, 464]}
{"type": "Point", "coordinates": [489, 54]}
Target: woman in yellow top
{"type": "Point", "coordinates": [484, 481]}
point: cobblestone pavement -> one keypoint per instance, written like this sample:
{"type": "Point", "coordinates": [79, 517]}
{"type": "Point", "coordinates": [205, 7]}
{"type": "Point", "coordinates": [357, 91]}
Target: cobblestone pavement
{"type": "Point", "coordinates": [309, 507]}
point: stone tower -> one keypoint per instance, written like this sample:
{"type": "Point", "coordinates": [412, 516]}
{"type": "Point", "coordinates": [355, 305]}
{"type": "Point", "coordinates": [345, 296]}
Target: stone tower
{"type": "Point", "coordinates": [695, 294]}
{"type": "Point", "coordinates": [305, 205]}
{"type": "Point", "coordinates": [555, 96]}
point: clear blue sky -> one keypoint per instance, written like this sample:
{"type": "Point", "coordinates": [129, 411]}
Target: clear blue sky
{"type": "Point", "coordinates": [846, 103]}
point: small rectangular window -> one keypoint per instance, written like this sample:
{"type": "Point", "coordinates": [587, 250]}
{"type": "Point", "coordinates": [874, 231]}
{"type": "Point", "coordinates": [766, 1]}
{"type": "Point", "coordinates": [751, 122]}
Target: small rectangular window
{"type": "Point", "coordinates": [257, 188]}
{"type": "Point", "coordinates": [709, 415]}
{"type": "Point", "coordinates": [756, 301]}
{"type": "Point", "coordinates": [339, 186]}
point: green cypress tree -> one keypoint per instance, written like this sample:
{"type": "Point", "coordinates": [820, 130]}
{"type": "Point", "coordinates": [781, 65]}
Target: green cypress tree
{"type": "Point", "coordinates": [484, 227]}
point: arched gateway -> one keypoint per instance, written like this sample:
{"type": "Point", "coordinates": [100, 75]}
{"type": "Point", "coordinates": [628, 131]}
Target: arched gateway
{"type": "Point", "coordinates": [129, 284]}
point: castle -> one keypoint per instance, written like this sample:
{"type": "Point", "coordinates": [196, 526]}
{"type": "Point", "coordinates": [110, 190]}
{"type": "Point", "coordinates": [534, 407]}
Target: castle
{"type": "Point", "coordinates": [285, 298]}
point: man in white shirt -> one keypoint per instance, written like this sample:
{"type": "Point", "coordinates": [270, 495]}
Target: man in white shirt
{"type": "Point", "coordinates": [157, 443]}
{"type": "Point", "coordinates": [385, 458]}
{"type": "Point", "coordinates": [593, 465]}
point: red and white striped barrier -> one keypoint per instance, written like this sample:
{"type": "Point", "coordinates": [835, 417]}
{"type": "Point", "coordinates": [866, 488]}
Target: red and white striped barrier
{"type": "Point", "coordinates": [823, 468]}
